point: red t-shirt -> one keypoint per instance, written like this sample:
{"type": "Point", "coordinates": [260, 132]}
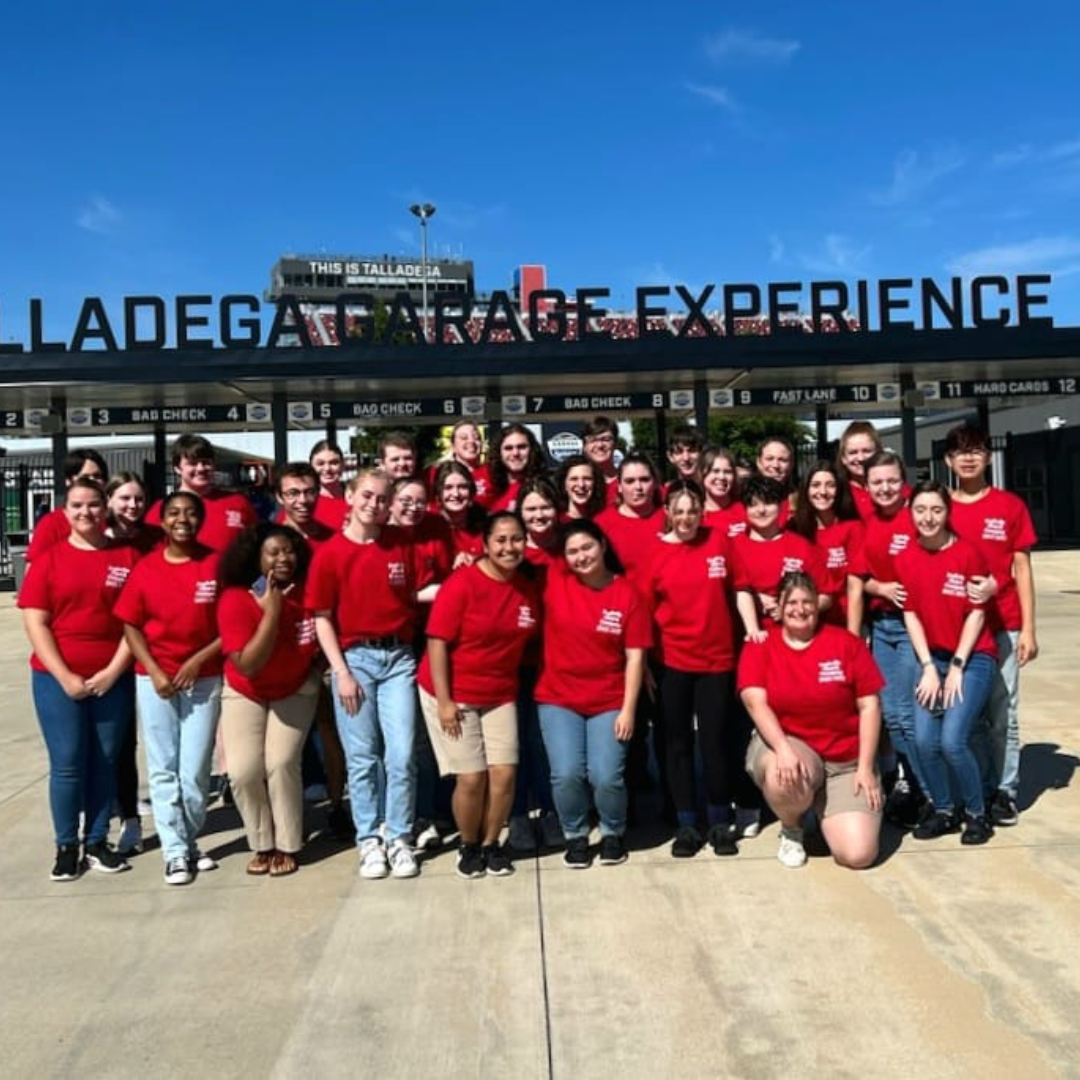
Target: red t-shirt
{"type": "Point", "coordinates": [836, 544]}
{"type": "Point", "coordinates": [586, 634]}
{"type": "Point", "coordinates": [227, 515]}
{"type": "Point", "coordinates": [814, 691]}
{"type": "Point", "coordinates": [466, 541]}
{"type": "Point", "coordinates": [936, 586]}
{"type": "Point", "coordinates": [758, 565]}
{"type": "Point", "coordinates": [432, 550]}
{"type": "Point", "coordinates": [486, 625]}
{"type": "Point", "coordinates": [175, 606]}
{"type": "Point", "coordinates": [330, 512]}
{"type": "Point", "coordinates": [495, 501]}
{"type": "Point", "coordinates": [884, 538]}
{"type": "Point", "coordinates": [731, 520]}
{"type": "Point", "coordinates": [367, 588]}
{"type": "Point", "coordinates": [688, 586]}
{"type": "Point", "coordinates": [79, 588]}
{"type": "Point", "coordinates": [999, 525]}
{"type": "Point", "coordinates": [239, 615]}
{"type": "Point", "coordinates": [632, 537]}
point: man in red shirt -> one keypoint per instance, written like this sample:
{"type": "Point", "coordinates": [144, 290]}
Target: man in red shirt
{"type": "Point", "coordinates": [228, 513]}
{"type": "Point", "coordinates": [998, 523]}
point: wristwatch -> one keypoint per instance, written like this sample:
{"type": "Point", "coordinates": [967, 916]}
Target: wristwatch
{"type": "Point", "coordinates": [958, 662]}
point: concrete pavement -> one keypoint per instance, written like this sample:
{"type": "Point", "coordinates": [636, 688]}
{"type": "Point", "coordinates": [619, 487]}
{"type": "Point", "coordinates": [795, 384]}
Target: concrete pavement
{"type": "Point", "coordinates": [939, 962]}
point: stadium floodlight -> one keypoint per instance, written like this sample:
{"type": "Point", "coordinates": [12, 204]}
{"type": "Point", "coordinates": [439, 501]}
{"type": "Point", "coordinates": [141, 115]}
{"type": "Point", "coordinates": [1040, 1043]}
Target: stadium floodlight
{"type": "Point", "coordinates": [423, 211]}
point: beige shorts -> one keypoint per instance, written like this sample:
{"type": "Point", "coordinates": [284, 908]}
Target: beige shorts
{"type": "Point", "coordinates": [836, 795]}
{"type": "Point", "coordinates": [489, 736]}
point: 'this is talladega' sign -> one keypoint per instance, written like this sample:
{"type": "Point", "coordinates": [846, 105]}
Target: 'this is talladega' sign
{"type": "Point", "coordinates": [236, 321]}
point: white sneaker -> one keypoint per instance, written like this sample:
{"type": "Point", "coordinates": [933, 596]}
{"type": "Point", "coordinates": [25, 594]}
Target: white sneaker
{"type": "Point", "coordinates": [791, 852]}
{"type": "Point", "coordinates": [373, 863]}
{"type": "Point", "coordinates": [145, 808]}
{"type": "Point", "coordinates": [747, 823]}
{"type": "Point", "coordinates": [402, 860]}
{"type": "Point", "coordinates": [178, 872]}
{"type": "Point", "coordinates": [203, 862]}
{"type": "Point", "coordinates": [427, 839]}
{"type": "Point", "coordinates": [130, 841]}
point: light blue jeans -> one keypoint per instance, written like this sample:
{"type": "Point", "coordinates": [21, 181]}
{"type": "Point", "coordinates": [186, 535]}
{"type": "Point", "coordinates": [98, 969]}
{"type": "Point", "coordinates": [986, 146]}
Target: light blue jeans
{"type": "Point", "coordinates": [584, 753]}
{"type": "Point", "coordinates": [944, 742]}
{"type": "Point", "coordinates": [1003, 717]}
{"type": "Point", "coordinates": [381, 732]}
{"type": "Point", "coordinates": [178, 734]}
{"type": "Point", "coordinates": [895, 657]}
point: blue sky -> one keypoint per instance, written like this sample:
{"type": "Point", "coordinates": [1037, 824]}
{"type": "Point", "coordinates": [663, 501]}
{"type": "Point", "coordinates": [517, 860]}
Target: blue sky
{"type": "Point", "coordinates": [178, 148]}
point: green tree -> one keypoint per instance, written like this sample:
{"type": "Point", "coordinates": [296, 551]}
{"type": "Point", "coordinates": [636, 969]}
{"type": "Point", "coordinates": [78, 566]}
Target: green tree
{"type": "Point", "coordinates": [740, 434]}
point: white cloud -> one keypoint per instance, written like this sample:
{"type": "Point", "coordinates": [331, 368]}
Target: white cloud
{"type": "Point", "coordinates": [838, 254]}
{"type": "Point", "coordinates": [747, 46]}
{"type": "Point", "coordinates": [914, 174]}
{"type": "Point", "coordinates": [1059, 255]}
{"type": "Point", "coordinates": [98, 216]}
{"type": "Point", "coordinates": [1067, 149]}
{"type": "Point", "coordinates": [1005, 159]}
{"type": "Point", "coordinates": [715, 95]}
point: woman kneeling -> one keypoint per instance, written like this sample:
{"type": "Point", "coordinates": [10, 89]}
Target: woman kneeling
{"type": "Point", "coordinates": [812, 692]}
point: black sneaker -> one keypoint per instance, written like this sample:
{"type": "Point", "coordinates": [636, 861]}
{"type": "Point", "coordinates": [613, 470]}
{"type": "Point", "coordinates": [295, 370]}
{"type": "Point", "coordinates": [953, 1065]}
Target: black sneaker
{"type": "Point", "coordinates": [903, 806]}
{"type": "Point", "coordinates": [68, 865]}
{"type": "Point", "coordinates": [1003, 810]}
{"type": "Point", "coordinates": [497, 861]}
{"type": "Point", "coordinates": [105, 860]}
{"type": "Point", "coordinates": [687, 842]}
{"type": "Point", "coordinates": [577, 855]}
{"type": "Point", "coordinates": [722, 838]}
{"type": "Point", "coordinates": [612, 851]}
{"type": "Point", "coordinates": [977, 830]}
{"type": "Point", "coordinates": [470, 861]}
{"type": "Point", "coordinates": [939, 823]}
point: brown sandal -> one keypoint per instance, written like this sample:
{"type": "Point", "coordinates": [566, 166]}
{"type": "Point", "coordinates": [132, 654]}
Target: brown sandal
{"type": "Point", "coordinates": [260, 863]}
{"type": "Point", "coordinates": [283, 863]}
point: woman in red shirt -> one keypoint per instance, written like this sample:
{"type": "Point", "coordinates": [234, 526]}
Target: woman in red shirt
{"type": "Point", "coordinates": [812, 692]}
{"type": "Point", "coordinates": [825, 515]}
{"type": "Point", "coordinates": [480, 624]}
{"type": "Point", "coordinates": [596, 632]}
{"type": "Point", "coordinates": [858, 444]}
{"type": "Point", "coordinates": [723, 508]}
{"type": "Point", "coordinates": [957, 657]}
{"type": "Point", "coordinates": [169, 606]}
{"type": "Point", "coordinates": [516, 457]}
{"type": "Point", "coordinates": [581, 487]}
{"type": "Point", "coordinates": [763, 554]}
{"type": "Point", "coordinates": [466, 448]}
{"type": "Point", "coordinates": [126, 495]}
{"type": "Point", "coordinates": [455, 496]}
{"type": "Point", "coordinates": [689, 587]}
{"type": "Point", "coordinates": [80, 676]}
{"type": "Point", "coordinates": [271, 688]}
{"type": "Point", "coordinates": [328, 462]}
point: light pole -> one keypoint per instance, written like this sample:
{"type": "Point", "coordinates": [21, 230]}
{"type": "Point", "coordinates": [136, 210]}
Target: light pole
{"type": "Point", "coordinates": [423, 211]}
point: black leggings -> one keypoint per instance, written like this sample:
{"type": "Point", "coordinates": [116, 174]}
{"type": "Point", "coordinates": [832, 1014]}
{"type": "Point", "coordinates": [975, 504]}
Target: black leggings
{"type": "Point", "coordinates": [711, 697]}
{"type": "Point", "coordinates": [127, 775]}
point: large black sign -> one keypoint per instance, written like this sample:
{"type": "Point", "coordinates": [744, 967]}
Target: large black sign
{"type": "Point", "coordinates": [150, 323]}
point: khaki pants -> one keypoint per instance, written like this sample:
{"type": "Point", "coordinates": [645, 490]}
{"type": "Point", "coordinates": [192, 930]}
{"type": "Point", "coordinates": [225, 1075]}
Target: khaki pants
{"type": "Point", "coordinates": [263, 743]}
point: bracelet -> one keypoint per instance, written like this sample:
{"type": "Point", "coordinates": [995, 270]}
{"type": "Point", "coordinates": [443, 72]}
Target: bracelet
{"type": "Point", "coordinates": [927, 663]}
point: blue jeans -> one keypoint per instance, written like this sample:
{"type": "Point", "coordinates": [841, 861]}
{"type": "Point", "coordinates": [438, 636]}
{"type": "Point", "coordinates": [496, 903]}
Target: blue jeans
{"type": "Point", "coordinates": [83, 739]}
{"type": "Point", "coordinates": [944, 742]}
{"type": "Point", "coordinates": [178, 734]}
{"type": "Point", "coordinates": [382, 732]}
{"type": "Point", "coordinates": [533, 790]}
{"type": "Point", "coordinates": [584, 753]}
{"type": "Point", "coordinates": [1001, 765]}
{"type": "Point", "coordinates": [892, 650]}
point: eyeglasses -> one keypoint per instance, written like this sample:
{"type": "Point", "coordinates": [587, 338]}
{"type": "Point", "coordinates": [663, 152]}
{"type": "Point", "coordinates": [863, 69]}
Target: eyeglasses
{"type": "Point", "coordinates": [409, 504]}
{"type": "Point", "coordinates": [292, 494]}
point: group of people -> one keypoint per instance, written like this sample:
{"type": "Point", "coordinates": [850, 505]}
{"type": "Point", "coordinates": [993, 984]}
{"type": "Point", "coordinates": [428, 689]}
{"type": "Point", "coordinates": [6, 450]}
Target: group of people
{"type": "Point", "coordinates": [536, 640]}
